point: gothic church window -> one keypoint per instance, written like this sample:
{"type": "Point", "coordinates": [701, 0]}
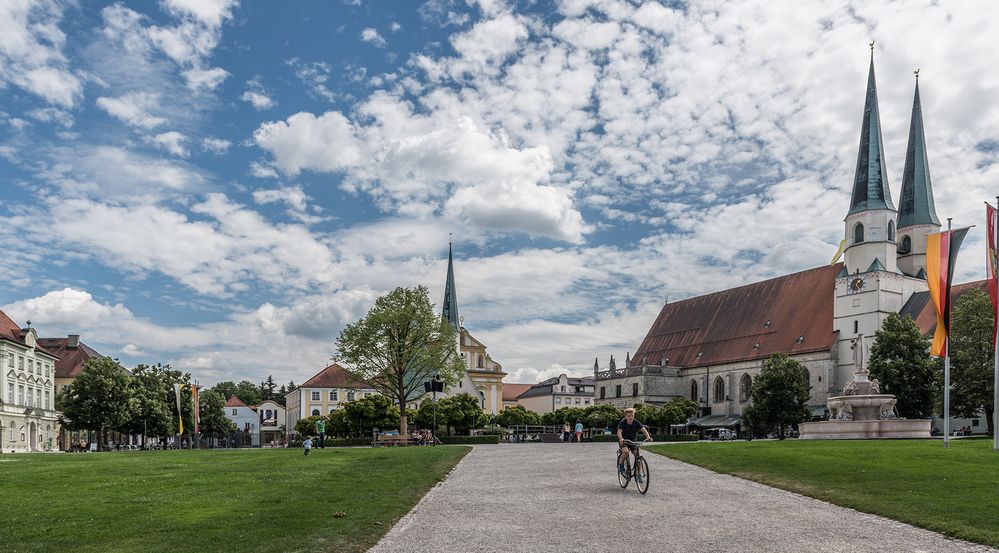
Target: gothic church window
{"type": "Point", "coordinates": [693, 390]}
{"type": "Point", "coordinates": [858, 233]}
{"type": "Point", "coordinates": [806, 376]}
{"type": "Point", "coordinates": [719, 390]}
{"type": "Point", "coordinates": [906, 245]}
{"type": "Point", "coordinates": [891, 231]}
{"type": "Point", "coordinates": [745, 385]}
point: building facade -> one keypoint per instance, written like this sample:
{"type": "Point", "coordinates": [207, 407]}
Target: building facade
{"type": "Point", "coordinates": [710, 348]}
{"type": "Point", "coordinates": [558, 392]}
{"type": "Point", "coordinates": [245, 419]}
{"type": "Point", "coordinates": [28, 419]}
{"type": "Point", "coordinates": [270, 421]}
{"type": "Point", "coordinates": [322, 394]}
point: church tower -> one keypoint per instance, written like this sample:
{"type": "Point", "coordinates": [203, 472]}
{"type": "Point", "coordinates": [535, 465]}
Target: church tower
{"type": "Point", "coordinates": [450, 309]}
{"type": "Point", "coordinates": [917, 215]}
{"type": "Point", "coordinates": [870, 223]}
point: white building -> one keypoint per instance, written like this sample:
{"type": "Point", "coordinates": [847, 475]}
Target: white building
{"type": "Point", "coordinates": [245, 418]}
{"type": "Point", "coordinates": [270, 420]}
{"type": "Point", "coordinates": [28, 420]}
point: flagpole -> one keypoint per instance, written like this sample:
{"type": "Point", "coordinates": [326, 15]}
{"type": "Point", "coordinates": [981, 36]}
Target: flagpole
{"type": "Point", "coordinates": [946, 317]}
{"type": "Point", "coordinates": [995, 352]}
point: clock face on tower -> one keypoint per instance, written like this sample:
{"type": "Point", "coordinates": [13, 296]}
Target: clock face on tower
{"type": "Point", "coordinates": [857, 284]}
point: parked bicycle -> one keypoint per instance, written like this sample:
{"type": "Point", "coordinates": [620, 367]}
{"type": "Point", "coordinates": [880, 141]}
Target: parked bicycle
{"type": "Point", "coordinates": [639, 471]}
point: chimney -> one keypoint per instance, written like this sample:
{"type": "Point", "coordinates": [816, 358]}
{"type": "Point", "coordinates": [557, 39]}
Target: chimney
{"type": "Point", "coordinates": [73, 342]}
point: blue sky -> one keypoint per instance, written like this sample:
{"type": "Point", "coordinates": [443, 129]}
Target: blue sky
{"type": "Point", "coordinates": [223, 185]}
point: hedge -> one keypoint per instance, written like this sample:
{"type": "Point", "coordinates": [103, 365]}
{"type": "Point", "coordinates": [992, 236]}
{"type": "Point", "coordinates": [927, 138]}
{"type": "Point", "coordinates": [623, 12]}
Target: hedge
{"type": "Point", "coordinates": [662, 438]}
{"type": "Point", "coordinates": [454, 440]}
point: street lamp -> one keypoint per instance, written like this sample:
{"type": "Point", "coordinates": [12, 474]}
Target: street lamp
{"type": "Point", "coordinates": [434, 386]}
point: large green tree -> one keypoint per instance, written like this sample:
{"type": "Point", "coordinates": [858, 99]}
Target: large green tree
{"type": "Point", "coordinates": [517, 415]}
{"type": "Point", "coordinates": [901, 362]}
{"type": "Point", "coordinates": [603, 416]}
{"type": "Point", "coordinates": [214, 423]}
{"type": "Point", "coordinates": [677, 411]}
{"type": "Point", "coordinates": [971, 357]}
{"type": "Point", "coordinates": [99, 399]}
{"type": "Point", "coordinates": [153, 413]}
{"type": "Point", "coordinates": [401, 343]}
{"type": "Point", "coordinates": [779, 395]}
{"type": "Point", "coordinates": [373, 411]}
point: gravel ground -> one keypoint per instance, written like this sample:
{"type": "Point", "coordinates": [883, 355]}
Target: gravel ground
{"type": "Point", "coordinates": [556, 497]}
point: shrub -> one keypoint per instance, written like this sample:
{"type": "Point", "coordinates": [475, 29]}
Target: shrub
{"type": "Point", "coordinates": [491, 431]}
{"type": "Point", "coordinates": [454, 440]}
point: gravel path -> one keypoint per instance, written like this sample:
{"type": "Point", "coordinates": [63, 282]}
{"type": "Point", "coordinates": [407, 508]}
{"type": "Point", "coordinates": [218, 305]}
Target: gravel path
{"type": "Point", "coordinates": [555, 497]}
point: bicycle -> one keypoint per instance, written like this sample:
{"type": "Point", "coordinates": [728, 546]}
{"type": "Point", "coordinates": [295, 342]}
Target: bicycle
{"type": "Point", "coordinates": [640, 471]}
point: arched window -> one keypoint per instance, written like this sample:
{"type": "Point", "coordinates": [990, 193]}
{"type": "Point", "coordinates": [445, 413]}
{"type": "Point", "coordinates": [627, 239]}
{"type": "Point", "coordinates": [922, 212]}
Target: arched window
{"type": "Point", "coordinates": [480, 362]}
{"type": "Point", "coordinates": [745, 385]}
{"type": "Point", "coordinates": [858, 233]}
{"type": "Point", "coordinates": [806, 376]}
{"type": "Point", "coordinates": [906, 245]}
{"type": "Point", "coordinates": [719, 390]}
{"type": "Point", "coordinates": [891, 231]}
{"type": "Point", "coordinates": [693, 390]}
{"type": "Point", "coordinates": [315, 412]}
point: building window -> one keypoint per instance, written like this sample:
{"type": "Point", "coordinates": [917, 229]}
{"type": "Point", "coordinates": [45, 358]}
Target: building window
{"type": "Point", "coordinates": [745, 385]}
{"type": "Point", "coordinates": [562, 389]}
{"type": "Point", "coordinates": [47, 367]}
{"type": "Point", "coordinates": [20, 395]}
{"type": "Point", "coordinates": [806, 376]}
{"type": "Point", "coordinates": [234, 411]}
{"type": "Point", "coordinates": [31, 366]}
{"type": "Point", "coordinates": [315, 412]}
{"type": "Point", "coordinates": [350, 395]}
{"type": "Point", "coordinates": [10, 360]}
{"type": "Point", "coordinates": [586, 401]}
{"type": "Point", "coordinates": [891, 231]}
{"type": "Point", "coordinates": [246, 427]}
{"type": "Point", "coordinates": [617, 391]}
{"type": "Point", "coordinates": [719, 389]}
{"type": "Point", "coordinates": [634, 389]}
{"type": "Point", "coordinates": [480, 362]}
{"type": "Point", "coordinates": [20, 363]}
{"type": "Point", "coordinates": [693, 390]}
{"type": "Point", "coordinates": [905, 246]}
{"type": "Point", "coordinates": [10, 392]}
{"type": "Point", "coordinates": [603, 392]}
{"type": "Point", "coordinates": [335, 395]}
{"type": "Point", "coordinates": [577, 401]}
{"type": "Point", "coordinates": [38, 398]}
{"type": "Point", "coordinates": [315, 396]}
{"type": "Point", "coordinates": [856, 327]}
{"type": "Point", "coordinates": [558, 400]}
{"type": "Point", "coordinates": [858, 233]}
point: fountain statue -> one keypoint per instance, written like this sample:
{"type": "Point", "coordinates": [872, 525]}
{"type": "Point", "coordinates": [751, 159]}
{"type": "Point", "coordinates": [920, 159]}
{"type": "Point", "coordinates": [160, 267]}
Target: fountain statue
{"type": "Point", "coordinates": [862, 411]}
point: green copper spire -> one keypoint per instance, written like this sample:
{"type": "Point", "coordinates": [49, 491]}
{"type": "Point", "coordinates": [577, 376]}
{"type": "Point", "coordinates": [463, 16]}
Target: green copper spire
{"type": "Point", "coordinates": [870, 185]}
{"type": "Point", "coordinates": [916, 206]}
{"type": "Point", "coordinates": [450, 311]}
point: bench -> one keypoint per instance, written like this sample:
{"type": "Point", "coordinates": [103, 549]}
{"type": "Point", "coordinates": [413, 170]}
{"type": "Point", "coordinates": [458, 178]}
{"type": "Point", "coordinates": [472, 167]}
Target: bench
{"type": "Point", "coordinates": [394, 440]}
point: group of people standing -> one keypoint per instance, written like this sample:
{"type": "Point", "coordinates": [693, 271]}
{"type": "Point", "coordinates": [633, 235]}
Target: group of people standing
{"type": "Point", "coordinates": [567, 432]}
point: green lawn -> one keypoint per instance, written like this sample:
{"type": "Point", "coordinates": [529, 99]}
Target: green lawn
{"type": "Point", "coordinates": [953, 491]}
{"type": "Point", "coordinates": [244, 500]}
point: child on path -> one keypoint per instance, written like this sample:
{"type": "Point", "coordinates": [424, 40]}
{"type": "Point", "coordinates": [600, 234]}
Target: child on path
{"type": "Point", "coordinates": [307, 444]}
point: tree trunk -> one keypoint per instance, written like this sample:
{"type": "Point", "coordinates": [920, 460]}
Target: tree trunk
{"type": "Point", "coordinates": [990, 420]}
{"type": "Point", "coordinates": [403, 423]}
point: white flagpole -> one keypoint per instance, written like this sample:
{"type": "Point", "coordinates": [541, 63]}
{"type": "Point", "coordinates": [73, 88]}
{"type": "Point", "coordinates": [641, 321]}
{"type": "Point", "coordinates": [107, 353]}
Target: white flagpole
{"type": "Point", "coordinates": [947, 347]}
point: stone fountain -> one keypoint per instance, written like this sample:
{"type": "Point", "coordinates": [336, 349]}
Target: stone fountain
{"type": "Point", "coordinates": [862, 411]}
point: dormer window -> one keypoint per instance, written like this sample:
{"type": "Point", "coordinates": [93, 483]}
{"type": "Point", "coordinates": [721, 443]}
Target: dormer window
{"type": "Point", "coordinates": [858, 233]}
{"type": "Point", "coordinates": [767, 324]}
{"type": "Point", "coordinates": [800, 339]}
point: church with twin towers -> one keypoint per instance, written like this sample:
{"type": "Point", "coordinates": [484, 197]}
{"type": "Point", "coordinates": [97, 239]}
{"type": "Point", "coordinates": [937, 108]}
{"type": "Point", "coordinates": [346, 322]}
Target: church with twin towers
{"type": "Point", "coordinates": [710, 348]}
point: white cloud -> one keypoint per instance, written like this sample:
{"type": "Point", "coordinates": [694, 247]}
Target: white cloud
{"type": "Point", "coordinates": [370, 35]}
{"type": "Point", "coordinates": [324, 143]}
{"type": "Point", "coordinates": [257, 100]}
{"type": "Point", "coordinates": [134, 109]}
{"type": "Point", "coordinates": [52, 115]}
{"type": "Point", "coordinates": [314, 75]}
{"type": "Point", "coordinates": [217, 146]}
{"type": "Point", "coordinates": [31, 51]}
{"type": "Point", "coordinates": [171, 141]}
{"type": "Point", "coordinates": [200, 80]}
{"type": "Point", "coordinates": [262, 171]}
{"type": "Point", "coordinates": [294, 197]}
{"type": "Point", "coordinates": [395, 27]}
{"type": "Point", "coordinates": [210, 12]}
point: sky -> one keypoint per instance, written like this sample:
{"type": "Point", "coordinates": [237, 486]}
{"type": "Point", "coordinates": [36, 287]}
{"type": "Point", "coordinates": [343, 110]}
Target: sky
{"type": "Point", "coordinates": [223, 185]}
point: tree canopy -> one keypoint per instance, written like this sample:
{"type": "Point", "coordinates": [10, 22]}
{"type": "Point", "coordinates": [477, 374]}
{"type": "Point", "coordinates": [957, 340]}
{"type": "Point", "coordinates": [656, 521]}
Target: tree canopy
{"type": "Point", "coordinates": [779, 395]}
{"type": "Point", "coordinates": [99, 398]}
{"type": "Point", "coordinates": [901, 362]}
{"type": "Point", "coordinates": [401, 343]}
{"type": "Point", "coordinates": [972, 357]}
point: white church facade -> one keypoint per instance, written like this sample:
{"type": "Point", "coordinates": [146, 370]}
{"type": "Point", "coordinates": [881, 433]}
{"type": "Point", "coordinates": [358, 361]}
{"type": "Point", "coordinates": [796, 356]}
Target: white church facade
{"type": "Point", "coordinates": [710, 348]}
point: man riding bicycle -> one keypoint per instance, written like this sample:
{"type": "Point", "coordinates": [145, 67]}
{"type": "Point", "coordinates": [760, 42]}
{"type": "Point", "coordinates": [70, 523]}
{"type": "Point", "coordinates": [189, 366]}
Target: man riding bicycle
{"type": "Point", "coordinates": [628, 429]}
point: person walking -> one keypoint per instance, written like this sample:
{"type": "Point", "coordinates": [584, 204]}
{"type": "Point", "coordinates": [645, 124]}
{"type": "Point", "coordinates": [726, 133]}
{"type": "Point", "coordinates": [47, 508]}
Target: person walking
{"type": "Point", "coordinates": [321, 430]}
{"type": "Point", "coordinates": [579, 431]}
{"type": "Point", "coordinates": [565, 433]}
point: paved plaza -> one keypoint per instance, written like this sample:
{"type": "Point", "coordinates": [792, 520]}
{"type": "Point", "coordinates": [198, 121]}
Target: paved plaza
{"type": "Point", "coordinates": [555, 497]}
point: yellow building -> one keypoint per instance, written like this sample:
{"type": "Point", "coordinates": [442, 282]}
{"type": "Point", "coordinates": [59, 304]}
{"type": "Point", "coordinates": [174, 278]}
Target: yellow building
{"type": "Point", "coordinates": [322, 394]}
{"type": "Point", "coordinates": [486, 374]}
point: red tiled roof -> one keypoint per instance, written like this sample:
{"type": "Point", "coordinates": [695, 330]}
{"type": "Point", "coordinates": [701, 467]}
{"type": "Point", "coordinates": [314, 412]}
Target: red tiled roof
{"type": "Point", "coordinates": [9, 330]}
{"type": "Point", "coordinates": [71, 360]}
{"type": "Point", "coordinates": [511, 391]}
{"type": "Point", "coordinates": [731, 325]}
{"type": "Point", "coordinates": [333, 376]}
{"type": "Point", "coordinates": [921, 309]}
{"type": "Point", "coordinates": [235, 402]}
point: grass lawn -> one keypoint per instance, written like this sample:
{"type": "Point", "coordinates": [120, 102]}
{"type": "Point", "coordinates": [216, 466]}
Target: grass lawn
{"type": "Point", "coordinates": [953, 491]}
{"type": "Point", "coordinates": [243, 500]}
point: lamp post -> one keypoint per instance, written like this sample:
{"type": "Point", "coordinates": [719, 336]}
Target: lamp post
{"type": "Point", "coordinates": [433, 387]}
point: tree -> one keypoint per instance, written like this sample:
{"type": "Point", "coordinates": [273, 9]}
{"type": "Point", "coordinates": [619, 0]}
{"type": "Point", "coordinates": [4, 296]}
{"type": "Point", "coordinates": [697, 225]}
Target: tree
{"type": "Point", "coordinates": [226, 389]}
{"type": "Point", "coordinates": [971, 358]}
{"type": "Point", "coordinates": [268, 389]}
{"type": "Point", "coordinates": [99, 398]}
{"type": "Point", "coordinates": [901, 362]}
{"type": "Point", "coordinates": [370, 412]}
{"type": "Point", "coordinates": [677, 411]}
{"type": "Point", "coordinates": [307, 426]}
{"type": "Point", "coordinates": [248, 392]}
{"type": "Point", "coordinates": [214, 423]}
{"type": "Point", "coordinates": [153, 414]}
{"type": "Point", "coordinates": [517, 415]}
{"type": "Point", "coordinates": [649, 415]}
{"type": "Point", "coordinates": [400, 344]}
{"type": "Point", "coordinates": [462, 412]}
{"type": "Point", "coordinates": [779, 394]}
{"type": "Point", "coordinates": [603, 416]}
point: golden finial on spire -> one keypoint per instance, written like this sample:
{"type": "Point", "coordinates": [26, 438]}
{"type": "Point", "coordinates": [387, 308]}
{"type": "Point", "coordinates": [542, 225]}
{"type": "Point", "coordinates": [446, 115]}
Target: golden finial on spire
{"type": "Point", "coordinates": [872, 46]}
{"type": "Point", "coordinates": [916, 73]}
{"type": "Point", "coordinates": [449, 238]}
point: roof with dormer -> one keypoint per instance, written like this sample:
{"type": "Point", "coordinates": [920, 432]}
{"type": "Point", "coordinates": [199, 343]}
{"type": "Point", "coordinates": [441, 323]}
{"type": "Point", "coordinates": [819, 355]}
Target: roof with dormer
{"type": "Point", "coordinates": [870, 183]}
{"type": "Point", "coordinates": [916, 203]}
{"type": "Point", "coordinates": [71, 359]}
{"type": "Point", "coordinates": [791, 314]}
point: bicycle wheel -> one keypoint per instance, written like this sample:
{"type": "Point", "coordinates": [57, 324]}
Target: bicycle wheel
{"type": "Point", "coordinates": [624, 477]}
{"type": "Point", "coordinates": [642, 474]}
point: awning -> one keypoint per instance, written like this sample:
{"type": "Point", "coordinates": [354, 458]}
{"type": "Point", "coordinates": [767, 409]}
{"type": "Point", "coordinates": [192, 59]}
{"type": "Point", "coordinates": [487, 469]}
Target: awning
{"type": "Point", "coordinates": [716, 421]}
